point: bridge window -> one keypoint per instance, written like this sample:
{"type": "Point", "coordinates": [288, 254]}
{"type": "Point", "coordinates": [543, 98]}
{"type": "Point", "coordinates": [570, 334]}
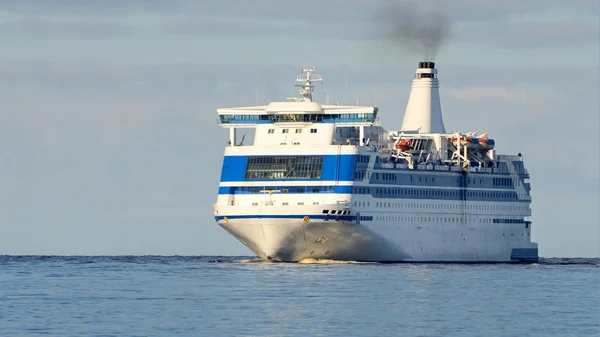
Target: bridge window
{"type": "Point", "coordinates": [284, 167]}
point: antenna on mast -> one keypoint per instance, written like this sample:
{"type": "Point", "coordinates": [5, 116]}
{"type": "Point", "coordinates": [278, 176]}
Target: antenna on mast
{"type": "Point", "coordinates": [307, 89]}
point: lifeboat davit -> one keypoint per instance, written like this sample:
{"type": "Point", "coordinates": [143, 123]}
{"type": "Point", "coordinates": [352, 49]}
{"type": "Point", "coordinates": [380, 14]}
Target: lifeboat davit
{"type": "Point", "coordinates": [404, 145]}
{"type": "Point", "coordinates": [472, 143]}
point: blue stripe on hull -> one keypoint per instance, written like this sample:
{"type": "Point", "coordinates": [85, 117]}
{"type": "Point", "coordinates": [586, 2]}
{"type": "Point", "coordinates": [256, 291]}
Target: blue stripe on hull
{"type": "Point", "coordinates": [382, 192]}
{"type": "Point", "coordinates": [285, 216]}
{"type": "Point", "coordinates": [291, 189]}
{"type": "Point", "coordinates": [335, 168]}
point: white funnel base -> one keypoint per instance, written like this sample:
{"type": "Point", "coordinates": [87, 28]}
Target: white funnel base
{"type": "Point", "coordinates": [423, 111]}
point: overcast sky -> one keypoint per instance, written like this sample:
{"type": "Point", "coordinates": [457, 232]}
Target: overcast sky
{"type": "Point", "coordinates": [108, 134]}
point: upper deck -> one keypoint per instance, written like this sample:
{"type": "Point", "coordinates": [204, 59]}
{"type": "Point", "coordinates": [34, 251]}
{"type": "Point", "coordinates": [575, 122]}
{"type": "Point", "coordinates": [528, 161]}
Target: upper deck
{"type": "Point", "coordinates": [312, 123]}
{"type": "Point", "coordinates": [298, 110]}
{"type": "Point", "coordinates": [301, 112]}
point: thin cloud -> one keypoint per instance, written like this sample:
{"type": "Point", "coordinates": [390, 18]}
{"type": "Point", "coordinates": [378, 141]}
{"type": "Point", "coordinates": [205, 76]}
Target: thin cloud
{"type": "Point", "coordinates": [531, 34]}
{"type": "Point", "coordinates": [495, 33]}
{"type": "Point", "coordinates": [204, 81]}
{"type": "Point", "coordinates": [237, 28]}
{"type": "Point", "coordinates": [490, 93]}
{"type": "Point", "coordinates": [97, 8]}
{"type": "Point", "coordinates": [42, 29]}
{"type": "Point", "coordinates": [487, 22]}
{"type": "Point", "coordinates": [315, 11]}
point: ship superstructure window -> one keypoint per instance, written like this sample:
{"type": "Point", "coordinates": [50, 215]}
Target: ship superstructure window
{"type": "Point", "coordinates": [362, 159]}
{"type": "Point", "coordinates": [271, 130]}
{"type": "Point", "coordinates": [278, 117]}
{"type": "Point", "coordinates": [298, 130]}
{"type": "Point", "coordinates": [285, 131]}
{"type": "Point", "coordinates": [284, 167]}
{"type": "Point", "coordinates": [313, 130]}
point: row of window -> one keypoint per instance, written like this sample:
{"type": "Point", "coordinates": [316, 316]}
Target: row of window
{"type": "Point", "coordinates": [359, 175]}
{"type": "Point", "coordinates": [362, 159]}
{"type": "Point", "coordinates": [429, 219]}
{"type": "Point", "coordinates": [509, 221]}
{"type": "Point", "coordinates": [272, 131]}
{"type": "Point", "coordinates": [298, 117]}
{"type": "Point", "coordinates": [335, 212]}
{"type": "Point", "coordinates": [255, 190]}
{"type": "Point", "coordinates": [433, 207]}
{"type": "Point", "coordinates": [426, 219]}
{"type": "Point", "coordinates": [519, 208]}
{"type": "Point", "coordinates": [270, 203]}
{"type": "Point", "coordinates": [400, 192]}
{"type": "Point", "coordinates": [504, 182]}
{"type": "Point", "coordinates": [401, 179]}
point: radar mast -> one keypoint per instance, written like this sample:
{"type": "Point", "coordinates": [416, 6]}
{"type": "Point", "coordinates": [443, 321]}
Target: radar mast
{"type": "Point", "coordinates": [306, 88]}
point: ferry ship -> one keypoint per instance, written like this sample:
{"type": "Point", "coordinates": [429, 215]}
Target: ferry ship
{"type": "Point", "coordinates": [324, 181]}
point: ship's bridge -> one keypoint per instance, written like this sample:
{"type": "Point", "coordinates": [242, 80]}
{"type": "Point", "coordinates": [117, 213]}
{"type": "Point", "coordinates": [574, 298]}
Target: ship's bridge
{"type": "Point", "coordinates": [303, 112]}
{"type": "Point", "coordinates": [319, 122]}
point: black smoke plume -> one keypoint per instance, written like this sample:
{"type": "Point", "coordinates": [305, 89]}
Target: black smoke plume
{"type": "Point", "coordinates": [412, 29]}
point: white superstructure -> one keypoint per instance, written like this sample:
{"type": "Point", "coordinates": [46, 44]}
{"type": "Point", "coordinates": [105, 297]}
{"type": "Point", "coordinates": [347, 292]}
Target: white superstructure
{"type": "Point", "coordinates": [327, 181]}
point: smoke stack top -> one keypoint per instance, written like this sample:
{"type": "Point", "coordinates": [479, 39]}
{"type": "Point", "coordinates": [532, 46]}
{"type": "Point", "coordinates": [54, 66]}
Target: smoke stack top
{"type": "Point", "coordinates": [426, 65]}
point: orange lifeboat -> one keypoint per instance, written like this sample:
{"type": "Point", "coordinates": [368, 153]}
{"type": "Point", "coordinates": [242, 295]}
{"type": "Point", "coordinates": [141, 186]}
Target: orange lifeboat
{"type": "Point", "coordinates": [462, 141]}
{"type": "Point", "coordinates": [404, 144]}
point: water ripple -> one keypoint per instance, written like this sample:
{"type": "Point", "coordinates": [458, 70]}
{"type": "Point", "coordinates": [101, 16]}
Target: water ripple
{"type": "Point", "coordinates": [221, 295]}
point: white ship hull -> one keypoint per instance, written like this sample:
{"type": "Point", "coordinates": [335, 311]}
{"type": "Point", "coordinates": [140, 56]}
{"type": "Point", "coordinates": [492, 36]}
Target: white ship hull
{"type": "Point", "coordinates": [291, 240]}
{"type": "Point", "coordinates": [328, 182]}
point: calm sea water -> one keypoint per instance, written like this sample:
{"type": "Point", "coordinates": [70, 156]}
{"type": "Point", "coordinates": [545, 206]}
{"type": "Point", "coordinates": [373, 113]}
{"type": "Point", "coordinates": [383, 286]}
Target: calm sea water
{"type": "Point", "coordinates": [231, 296]}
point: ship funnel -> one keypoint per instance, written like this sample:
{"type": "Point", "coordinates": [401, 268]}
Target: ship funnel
{"type": "Point", "coordinates": [423, 111]}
